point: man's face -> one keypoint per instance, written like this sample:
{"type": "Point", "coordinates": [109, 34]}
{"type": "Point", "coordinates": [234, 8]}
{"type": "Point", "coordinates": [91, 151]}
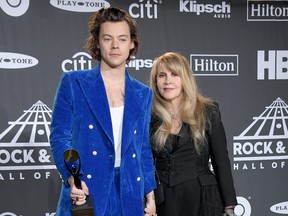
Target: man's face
{"type": "Point", "coordinates": [115, 43]}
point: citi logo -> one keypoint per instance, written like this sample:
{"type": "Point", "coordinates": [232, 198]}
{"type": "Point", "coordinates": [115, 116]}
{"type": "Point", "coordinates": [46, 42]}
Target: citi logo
{"type": "Point", "coordinates": [16, 61]}
{"type": "Point", "coordinates": [14, 8]}
{"type": "Point", "coordinates": [267, 10]}
{"type": "Point", "coordinates": [214, 65]}
{"type": "Point", "coordinates": [280, 208]}
{"type": "Point", "coordinates": [80, 5]}
{"type": "Point", "coordinates": [222, 10]}
{"type": "Point", "coordinates": [144, 9]}
{"type": "Point", "coordinates": [272, 65]}
{"type": "Point", "coordinates": [140, 63]}
{"type": "Point", "coordinates": [79, 61]}
{"type": "Point", "coordinates": [263, 144]}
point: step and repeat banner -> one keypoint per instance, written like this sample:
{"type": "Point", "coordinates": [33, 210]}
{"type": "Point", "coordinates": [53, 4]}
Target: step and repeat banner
{"type": "Point", "coordinates": [237, 49]}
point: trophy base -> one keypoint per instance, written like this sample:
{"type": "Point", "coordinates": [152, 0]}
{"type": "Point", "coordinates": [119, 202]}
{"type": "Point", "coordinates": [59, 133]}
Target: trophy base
{"type": "Point", "coordinates": [84, 210]}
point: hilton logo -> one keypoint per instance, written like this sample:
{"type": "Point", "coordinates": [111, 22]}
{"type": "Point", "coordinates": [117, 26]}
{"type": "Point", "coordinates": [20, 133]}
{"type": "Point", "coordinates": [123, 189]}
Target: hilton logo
{"type": "Point", "coordinates": [267, 10]}
{"type": "Point", "coordinates": [214, 65]}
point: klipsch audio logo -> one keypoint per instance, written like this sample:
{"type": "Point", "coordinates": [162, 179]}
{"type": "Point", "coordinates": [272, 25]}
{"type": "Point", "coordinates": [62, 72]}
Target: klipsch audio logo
{"type": "Point", "coordinates": [272, 64]}
{"type": "Point", "coordinates": [80, 5]}
{"type": "Point", "coordinates": [214, 65]}
{"type": "Point", "coordinates": [144, 9]}
{"type": "Point", "coordinates": [14, 8]}
{"type": "Point", "coordinates": [267, 10]}
{"type": "Point", "coordinates": [222, 10]}
{"type": "Point", "coordinates": [16, 61]}
{"type": "Point", "coordinates": [24, 146]}
{"type": "Point", "coordinates": [137, 64]}
{"type": "Point", "coordinates": [263, 144]}
{"type": "Point", "coordinates": [79, 61]}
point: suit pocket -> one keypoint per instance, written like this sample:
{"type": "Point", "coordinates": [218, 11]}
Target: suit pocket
{"type": "Point", "coordinates": [206, 180]}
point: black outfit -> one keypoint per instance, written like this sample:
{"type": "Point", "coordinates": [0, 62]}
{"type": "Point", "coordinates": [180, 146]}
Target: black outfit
{"type": "Point", "coordinates": [190, 188]}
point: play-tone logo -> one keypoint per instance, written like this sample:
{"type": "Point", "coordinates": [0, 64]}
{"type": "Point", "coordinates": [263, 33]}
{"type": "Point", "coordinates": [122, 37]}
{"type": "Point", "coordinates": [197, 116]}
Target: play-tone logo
{"type": "Point", "coordinates": [10, 60]}
{"type": "Point", "coordinates": [7, 214]}
{"type": "Point", "coordinates": [222, 10]}
{"type": "Point", "coordinates": [80, 5]}
{"type": "Point", "coordinates": [272, 64]}
{"type": "Point", "coordinates": [280, 208]}
{"type": "Point", "coordinates": [267, 10]}
{"type": "Point", "coordinates": [214, 65]}
{"type": "Point", "coordinates": [79, 61]}
{"type": "Point", "coordinates": [144, 9]}
{"type": "Point", "coordinates": [25, 147]}
{"type": "Point", "coordinates": [14, 8]}
{"type": "Point", "coordinates": [263, 144]}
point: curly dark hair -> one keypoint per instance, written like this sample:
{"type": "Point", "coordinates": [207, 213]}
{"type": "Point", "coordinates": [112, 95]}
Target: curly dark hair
{"type": "Point", "coordinates": [111, 14]}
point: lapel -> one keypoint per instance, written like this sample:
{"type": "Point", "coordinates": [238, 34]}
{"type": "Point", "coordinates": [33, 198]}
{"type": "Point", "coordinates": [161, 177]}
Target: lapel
{"type": "Point", "coordinates": [184, 136]}
{"type": "Point", "coordinates": [93, 89]}
{"type": "Point", "coordinates": [133, 108]}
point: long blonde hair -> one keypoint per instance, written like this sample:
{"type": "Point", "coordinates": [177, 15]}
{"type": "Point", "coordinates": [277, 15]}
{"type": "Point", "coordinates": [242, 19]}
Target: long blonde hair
{"type": "Point", "coordinates": [192, 104]}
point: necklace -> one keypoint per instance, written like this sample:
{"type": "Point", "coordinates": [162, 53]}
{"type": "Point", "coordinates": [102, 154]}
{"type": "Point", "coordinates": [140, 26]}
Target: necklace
{"type": "Point", "coordinates": [116, 99]}
{"type": "Point", "coordinates": [177, 119]}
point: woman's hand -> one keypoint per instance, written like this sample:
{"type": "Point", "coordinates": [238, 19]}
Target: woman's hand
{"type": "Point", "coordinates": [229, 210]}
{"type": "Point", "coordinates": [150, 208]}
{"type": "Point", "coordinates": [78, 196]}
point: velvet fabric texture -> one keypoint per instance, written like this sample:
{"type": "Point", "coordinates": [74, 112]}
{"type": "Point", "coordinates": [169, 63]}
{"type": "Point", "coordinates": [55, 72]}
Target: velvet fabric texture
{"type": "Point", "coordinates": [81, 120]}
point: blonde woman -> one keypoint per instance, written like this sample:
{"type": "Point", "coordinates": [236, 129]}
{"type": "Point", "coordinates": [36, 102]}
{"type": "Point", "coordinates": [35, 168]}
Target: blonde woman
{"type": "Point", "coordinates": [186, 131]}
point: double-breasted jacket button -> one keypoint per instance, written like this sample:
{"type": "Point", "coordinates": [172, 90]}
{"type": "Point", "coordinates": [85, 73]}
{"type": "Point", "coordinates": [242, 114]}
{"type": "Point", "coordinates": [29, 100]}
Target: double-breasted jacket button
{"type": "Point", "coordinates": [89, 176]}
{"type": "Point", "coordinates": [135, 131]}
{"type": "Point", "coordinates": [134, 155]}
{"type": "Point", "coordinates": [94, 153]}
{"type": "Point", "coordinates": [138, 179]}
{"type": "Point", "coordinates": [91, 126]}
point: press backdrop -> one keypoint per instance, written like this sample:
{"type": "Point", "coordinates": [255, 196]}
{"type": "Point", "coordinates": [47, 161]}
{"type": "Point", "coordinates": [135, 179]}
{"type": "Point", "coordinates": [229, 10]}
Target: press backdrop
{"type": "Point", "coordinates": [238, 50]}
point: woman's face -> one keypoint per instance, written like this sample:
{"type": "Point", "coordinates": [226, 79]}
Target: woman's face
{"type": "Point", "coordinates": [169, 84]}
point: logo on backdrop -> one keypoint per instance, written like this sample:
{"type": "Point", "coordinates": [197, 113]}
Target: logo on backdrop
{"type": "Point", "coordinates": [267, 10]}
{"type": "Point", "coordinates": [16, 61]}
{"type": "Point", "coordinates": [243, 208]}
{"type": "Point", "coordinates": [272, 64]}
{"type": "Point", "coordinates": [222, 10]}
{"type": "Point", "coordinates": [137, 64]}
{"type": "Point", "coordinates": [80, 5]}
{"type": "Point", "coordinates": [263, 144]}
{"type": "Point", "coordinates": [280, 208]}
{"type": "Point", "coordinates": [144, 9]}
{"type": "Point", "coordinates": [24, 145]}
{"type": "Point", "coordinates": [14, 8]}
{"type": "Point", "coordinates": [7, 214]}
{"type": "Point", "coordinates": [12, 214]}
{"type": "Point", "coordinates": [214, 65]}
{"type": "Point", "coordinates": [79, 61]}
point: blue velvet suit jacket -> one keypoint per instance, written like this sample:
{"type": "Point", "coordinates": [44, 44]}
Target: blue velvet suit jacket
{"type": "Point", "coordinates": [81, 120]}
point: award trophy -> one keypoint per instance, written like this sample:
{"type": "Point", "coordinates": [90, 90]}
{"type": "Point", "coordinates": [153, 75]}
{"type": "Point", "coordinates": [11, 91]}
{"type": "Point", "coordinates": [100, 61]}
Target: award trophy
{"type": "Point", "coordinates": [72, 156]}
